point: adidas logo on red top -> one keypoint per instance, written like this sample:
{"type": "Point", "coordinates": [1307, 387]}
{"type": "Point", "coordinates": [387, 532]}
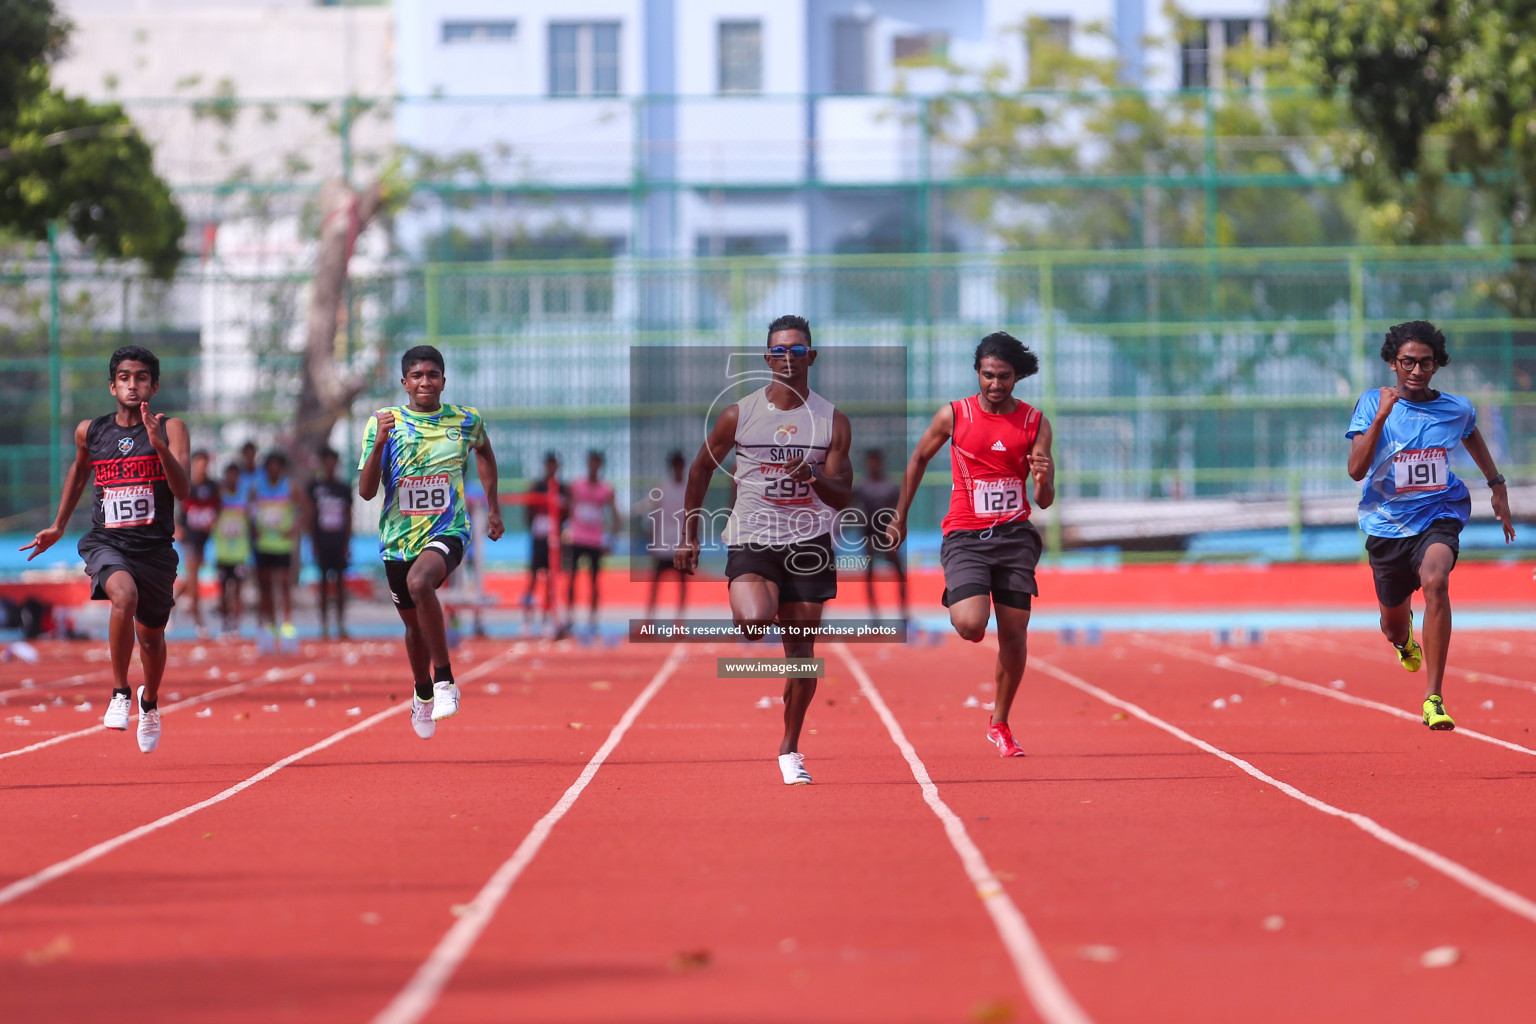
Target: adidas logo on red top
{"type": "Point", "coordinates": [998, 446]}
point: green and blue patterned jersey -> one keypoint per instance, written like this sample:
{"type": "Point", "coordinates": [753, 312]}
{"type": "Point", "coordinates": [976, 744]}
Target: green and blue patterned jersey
{"type": "Point", "coordinates": [423, 476]}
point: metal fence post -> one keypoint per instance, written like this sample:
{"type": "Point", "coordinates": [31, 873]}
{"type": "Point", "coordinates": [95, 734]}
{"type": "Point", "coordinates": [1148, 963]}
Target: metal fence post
{"type": "Point", "coordinates": [1048, 387]}
{"type": "Point", "coordinates": [55, 365]}
{"type": "Point", "coordinates": [1357, 320]}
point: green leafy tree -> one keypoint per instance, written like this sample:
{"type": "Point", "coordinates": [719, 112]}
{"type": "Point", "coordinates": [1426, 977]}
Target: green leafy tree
{"type": "Point", "coordinates": [1442, 132]}
{"type": "Point", "coordinates": [1081, 161]}
{"type": "Point", "coordinates": [67, 159]}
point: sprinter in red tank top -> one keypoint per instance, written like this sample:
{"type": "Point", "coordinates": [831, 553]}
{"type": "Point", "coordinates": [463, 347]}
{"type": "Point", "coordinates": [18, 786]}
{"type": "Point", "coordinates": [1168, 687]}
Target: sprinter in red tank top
{"type": "Point", "coordinates": [990, 547]}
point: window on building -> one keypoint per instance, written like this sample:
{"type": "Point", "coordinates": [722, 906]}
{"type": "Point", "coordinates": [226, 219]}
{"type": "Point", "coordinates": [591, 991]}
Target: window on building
{"type": "Point", "coordinates": [850, 55]}
{"type": "Point", "coordinates": [479, 31]}
{"type": "Point", "coordinates": [927, 48]}
{"type": "Point", "coordinates": [741, 245]}
{"type": "Point", "coordinates": [741, 56]}
{"type": "Point", "coordinates": [1236, 33]}
{"type": "Point", "coordinates": [584, 58]}
{"type": "Point", "coordinates": [1195, 56]}
{"type": "Point", "coordinates": [1046, 36]}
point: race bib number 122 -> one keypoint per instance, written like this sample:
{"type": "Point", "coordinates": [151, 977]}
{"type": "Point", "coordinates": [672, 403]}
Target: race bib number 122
{"type": "Point", "coordinates": [425, 495]}
{"type": "Point", "coordinates": [997, 497]}
{"type": "Point", "coordinates": [1419, 469]}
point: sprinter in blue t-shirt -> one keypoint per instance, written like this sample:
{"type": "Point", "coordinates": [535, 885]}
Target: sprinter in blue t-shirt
{"type": "Point", "coordinates": [1412, 507]}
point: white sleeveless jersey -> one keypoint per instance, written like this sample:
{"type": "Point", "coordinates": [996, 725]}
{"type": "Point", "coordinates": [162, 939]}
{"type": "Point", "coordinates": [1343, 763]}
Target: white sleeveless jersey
{"type": "Point", "coordinates": [770, 507]}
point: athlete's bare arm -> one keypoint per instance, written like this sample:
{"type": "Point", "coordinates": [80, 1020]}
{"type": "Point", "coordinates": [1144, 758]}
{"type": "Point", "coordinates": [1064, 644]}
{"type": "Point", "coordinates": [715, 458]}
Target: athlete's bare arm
{"type": "Point", "coordinates": [485, 465]}
{"type": "Point", "coordinates": [835, 485]}
{"type": "Point", "coordinates": [1042, 467]}
{"type": "Point", "coordinates": [74, 486]}
{"type": "Point", "coordinates": [373, 466]}
{"type": "Point", "coordinates": [934, 438]}
{"type": "Point", "coordinates": [718, 445]}
{"type": "Point", "coordinates": [1362, 447]}
{"type": "Point", "coordinates": [170, 440]}
{"type": "Point", "coordinates": [1478, 449]}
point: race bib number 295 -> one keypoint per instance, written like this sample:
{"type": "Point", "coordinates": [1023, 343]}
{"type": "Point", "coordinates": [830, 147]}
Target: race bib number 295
{"type": "Point", "coordinates": [1419, 469]}
{"type": "Point", "coordinates": [425, 495]}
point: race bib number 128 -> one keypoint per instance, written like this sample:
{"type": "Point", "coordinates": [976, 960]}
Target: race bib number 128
{"type": "Point", "coordinates": [128, 506]}
{"type": "Point", "coordinates": [1419, 469]}
{"type": "Point", "coordinates": [425, 495]}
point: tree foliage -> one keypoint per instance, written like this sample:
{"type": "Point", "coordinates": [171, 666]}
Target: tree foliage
{"type": "Point", "coordinates": [67, 159]}
{"type": "Point", "coordinates": [1442, 95]}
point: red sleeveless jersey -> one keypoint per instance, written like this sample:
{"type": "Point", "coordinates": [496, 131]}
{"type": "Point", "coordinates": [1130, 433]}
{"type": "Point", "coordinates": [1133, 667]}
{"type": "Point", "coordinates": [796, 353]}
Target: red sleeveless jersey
{"type": "Point", "coordinates": [989, 459]}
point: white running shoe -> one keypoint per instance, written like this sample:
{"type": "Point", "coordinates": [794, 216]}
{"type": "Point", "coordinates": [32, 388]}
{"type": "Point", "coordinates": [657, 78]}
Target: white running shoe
{"type": "Point", "coordinates": [117, 712]}
{"type": "Point", "coordinates": [421, 717]}
{"type": "Point", "coordinates": [445, 700]}
{"type": "Point", "coordinates": [793, 768]}
{"type": "Point", "coordinates": [149, 726]}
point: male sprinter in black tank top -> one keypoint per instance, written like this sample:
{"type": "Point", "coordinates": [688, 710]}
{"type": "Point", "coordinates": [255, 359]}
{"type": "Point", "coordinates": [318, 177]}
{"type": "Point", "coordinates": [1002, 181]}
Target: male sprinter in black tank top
{"type": "Point", "coordinates": [137, 460]}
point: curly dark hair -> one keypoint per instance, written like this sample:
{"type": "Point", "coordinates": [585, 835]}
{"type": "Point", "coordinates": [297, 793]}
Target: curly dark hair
{"type": "Point", "coordinates": [1421, 331]}
{"type": "Point", "coordinates": [1004, 346]}
{"type": "Point", "coordinates": [790, 322]}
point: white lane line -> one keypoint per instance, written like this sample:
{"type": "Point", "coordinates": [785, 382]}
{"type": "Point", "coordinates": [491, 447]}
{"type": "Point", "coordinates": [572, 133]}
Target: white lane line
{"type": "Point", "coordinates": [1450, 670]}
{"type": "Point", "coordinates": [1045, 989]}
{"type": "Point", "coordinates": [56, 871]}
{"type": "Point", "coordinates": [422, 991]}
{"type": "Point", "coordinates": [56, 684]}
{"type": "Point", "coordinates": [272, 675]}
{"type": "Point", "coordinates": [1265, 675]}
{"type": "Point", "coordinates": [1506, 898]}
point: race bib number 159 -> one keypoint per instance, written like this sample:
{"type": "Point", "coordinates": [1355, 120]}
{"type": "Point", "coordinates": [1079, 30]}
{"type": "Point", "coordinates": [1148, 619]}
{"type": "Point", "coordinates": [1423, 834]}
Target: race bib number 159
{"type": "Point", "coordinates": [1419, 469]}
{"type": "Point", "coordinates": [128, 506]}
{"type": "Point", "coordinates": [425, 495]}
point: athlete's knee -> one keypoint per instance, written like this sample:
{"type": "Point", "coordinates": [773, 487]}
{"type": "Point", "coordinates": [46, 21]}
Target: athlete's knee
{"type": "Point", "coordinates": [971, 629]}
{"type": "Point", "coordinates": [1436, 583]}
{"type": "Point", "coordinates": [420, 586]}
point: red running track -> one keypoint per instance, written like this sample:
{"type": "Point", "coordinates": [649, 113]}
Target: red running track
{"type": "Point", "coordinates": [685, 883]}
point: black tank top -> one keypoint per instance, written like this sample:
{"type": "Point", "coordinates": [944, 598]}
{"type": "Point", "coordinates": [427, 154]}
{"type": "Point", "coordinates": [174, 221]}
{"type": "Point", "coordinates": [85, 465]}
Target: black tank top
{"type": "Point", "coordinates": [134, 508]}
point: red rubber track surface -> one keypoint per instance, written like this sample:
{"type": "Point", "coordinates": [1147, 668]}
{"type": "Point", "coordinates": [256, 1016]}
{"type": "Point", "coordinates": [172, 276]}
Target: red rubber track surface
{"type": "Point", "coordinates": [688, 884]}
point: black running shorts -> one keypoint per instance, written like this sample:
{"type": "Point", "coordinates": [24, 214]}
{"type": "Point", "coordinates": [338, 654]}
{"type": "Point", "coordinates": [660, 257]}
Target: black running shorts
{"type": "Point", "coordinates": [153, 572]}
{"type": "Point", "coordinates": [1000, 562]}
{"type": "Point", "coordinates": [451, 548]}
{"type": "Point", "coordinates": [805, 571]}
{"type": "Point", "coordinates": [1395, 561]}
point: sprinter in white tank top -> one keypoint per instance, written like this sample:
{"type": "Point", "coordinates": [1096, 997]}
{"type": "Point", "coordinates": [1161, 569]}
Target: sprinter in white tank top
{"type": "Point", "coordinates": [792, 474]}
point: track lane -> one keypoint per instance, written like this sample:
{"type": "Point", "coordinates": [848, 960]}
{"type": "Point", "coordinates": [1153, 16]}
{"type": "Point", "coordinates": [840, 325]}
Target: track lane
{"type": "Point", "coordinates": [318, 891]}
{"type": "Point", "coordinates": [1114, 836]}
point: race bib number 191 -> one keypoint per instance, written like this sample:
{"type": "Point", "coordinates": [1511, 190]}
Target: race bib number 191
{"type": "Point", "coordinates": [997, 497]}
{"type": "Point", "coordinates": [1419, 469]}
{"type": "Point", "coordinates": [425, 495]}
{"type": "Point", "coordinates": [128, 506]}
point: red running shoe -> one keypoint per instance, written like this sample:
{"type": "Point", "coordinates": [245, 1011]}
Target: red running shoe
{"type": "Point", "coordinates": [1003, 737]}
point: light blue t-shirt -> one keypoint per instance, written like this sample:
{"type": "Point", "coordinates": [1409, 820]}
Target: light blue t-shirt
{"type": "Point", "coordinates": [1410, 484]}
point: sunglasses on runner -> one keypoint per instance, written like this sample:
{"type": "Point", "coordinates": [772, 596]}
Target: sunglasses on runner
{"type": "Point", "coordinates": [797, 351]}
{"type": "Point", "coordinates": [1427, 364]}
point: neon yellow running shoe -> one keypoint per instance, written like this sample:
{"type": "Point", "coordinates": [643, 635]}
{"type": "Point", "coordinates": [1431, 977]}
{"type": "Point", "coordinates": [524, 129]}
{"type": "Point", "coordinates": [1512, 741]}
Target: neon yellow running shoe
{"type": "Point", "coordinates": [1410, 654]}
{"type": "Point", "coordinates": [1435, 716]}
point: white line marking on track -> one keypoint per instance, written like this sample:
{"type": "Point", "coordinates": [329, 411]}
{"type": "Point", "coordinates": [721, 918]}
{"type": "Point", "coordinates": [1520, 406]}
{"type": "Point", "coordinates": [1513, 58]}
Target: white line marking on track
{"type": "Point", "coordinates": [416, 999]}
{"type": "Point", "coordinates": [59, 684]}
{"type": "Point", "coordinates": [202, 698]}
{"type": "Point", "coordinates": [1469, 675]}
{"type": "Point", "coordinates": [56, 871]}
{"type": "Point", "coordinates": [1045, 989]}
{"type": "Point", "coordinates": [1506, 898]}
{"type": "Point", "coordinates": [1264, 674]}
